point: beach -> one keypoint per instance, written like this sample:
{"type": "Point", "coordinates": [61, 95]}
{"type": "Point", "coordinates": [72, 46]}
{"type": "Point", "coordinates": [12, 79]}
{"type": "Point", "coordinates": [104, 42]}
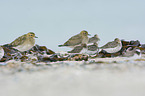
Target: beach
{"type": "Point", "coordinates": [96, 77]}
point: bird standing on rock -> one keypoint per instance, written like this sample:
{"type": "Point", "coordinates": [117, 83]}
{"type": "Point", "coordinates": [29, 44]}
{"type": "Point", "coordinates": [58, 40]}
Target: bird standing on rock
{"type": "Point", "coordinates": [24, 42]}
{"type": "Point", "coordinates": [112, 47]}
{"type": "Point", "coordinates": [81, 38]}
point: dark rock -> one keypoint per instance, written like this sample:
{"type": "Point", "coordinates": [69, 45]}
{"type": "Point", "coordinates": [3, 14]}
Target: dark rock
{"type": "Point", "coordinates": [78, 57]}
{"type": "Point", "coordinates": [135, 43]}
{"type": "Point", "coordinates": [143, 46]}
{"type": "Point", "coordinates": [24, 58]}
{"type": "Point", "coordinates": [52, 58]}
{"type": "Point", "coordinates": [11, 53]}
{"type": "Point", "coordinates": [41, 50]}
{"type": "Point", "coordinates": [125, 43]}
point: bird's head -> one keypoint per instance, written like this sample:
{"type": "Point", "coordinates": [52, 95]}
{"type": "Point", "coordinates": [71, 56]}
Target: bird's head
{"type": "Point", "coordinates": [117, 40]}
{"type": "Point", "coordinates": [31, 35]}
{"type": "Point", "coordinates": [96, 36]}
{"type": "Point", "coordinates": [84, 33]}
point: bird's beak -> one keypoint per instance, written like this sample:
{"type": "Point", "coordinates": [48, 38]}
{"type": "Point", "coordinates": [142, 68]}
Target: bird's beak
{"type": "Point", "coordinates": [89, 34]}
{"type": "Point", "coordinates": [36, 37]}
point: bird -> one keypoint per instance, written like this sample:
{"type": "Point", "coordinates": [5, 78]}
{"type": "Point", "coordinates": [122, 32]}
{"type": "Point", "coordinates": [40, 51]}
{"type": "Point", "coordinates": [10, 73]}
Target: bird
{"type": "Point", "coordinates": [81, 38]}
{"type": "Point", "coordinates": [1, 52]}
{"type": "Point", "coordinates": [94, 39]}
{"type": "Point", "coordinates": [24, 42]}
{"type": "Point", "coordinates": [84, 49]}
{"type": "Point", "coordinates": [112, 47]}
{"type": "Point", "coordinates": [78, 48]}
{"type": "Point", "coordinates": [92, 49]}
{"type": "Point", "coordinates": [134, 43]}
{"type": "Point", "coordinates": [131, 51]}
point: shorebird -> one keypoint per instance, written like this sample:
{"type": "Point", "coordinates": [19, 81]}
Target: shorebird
{"type": "Point", "coordinates": [92, 49]}
{"type": "Point", "coordinates": [78, 49]}
{"type": "Point", "coordinates": [94, 39]}
{"type": "Point", "coordinates": [24, 42]}
{"type": "Point", "coordinates": [112, 47]}
{"type": "Point", "coordinates": [84, 49]}
{"type": "Point", "coordinates": [81, 38]}
{"type": "Point", "coordinates": [1, 52]}
{"type": "Point", "coordinates": [131, 51]}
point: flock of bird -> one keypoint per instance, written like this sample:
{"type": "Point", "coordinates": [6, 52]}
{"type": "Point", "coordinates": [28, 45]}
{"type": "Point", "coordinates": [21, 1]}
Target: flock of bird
{"type": "Point", "coordinates": [80, 43]}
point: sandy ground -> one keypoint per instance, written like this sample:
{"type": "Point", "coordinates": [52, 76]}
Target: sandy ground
{"type": "Point", "coordinates": [97, 77]}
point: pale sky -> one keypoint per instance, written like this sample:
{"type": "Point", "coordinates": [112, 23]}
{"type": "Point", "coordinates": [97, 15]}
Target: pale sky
{"type": "Point", "coordinates": [55, 21]}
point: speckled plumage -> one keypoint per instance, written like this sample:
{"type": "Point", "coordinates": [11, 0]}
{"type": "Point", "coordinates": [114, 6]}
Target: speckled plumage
{"type": "Point", "coordinates": [93, 47]}
{"type": "Point", "coordinates": [81, 38]}
{"type": "Point", "coordinates": [78, 49]}
{"type": "Point", "coordinates": [112, 47]}
{"type": "Point", "coordinates": [24, 42]}
{"type": "Point", "coordinates": [94, 39]}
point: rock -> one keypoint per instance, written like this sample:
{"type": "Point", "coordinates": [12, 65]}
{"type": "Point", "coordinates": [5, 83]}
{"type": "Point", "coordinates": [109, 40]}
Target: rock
{"type": "Point", "coordinates": [131, 51]}
{"type": "Point", "coordinates": [125, 43]}
{"type": "Point", "coordinates": [24, 58]}
{"type": "Point", "coordinates": [11, 53]}
{"type": "Point", "coordinates": [51, 58]}
{"type": "Point", "coordinates": [78, 57]}
{"type": "Point", "coordinates": [135, 43]}
{"type": "Point", "coordinates": [103, 54]}
{"type": "Point", "coordinates": [41, 50]}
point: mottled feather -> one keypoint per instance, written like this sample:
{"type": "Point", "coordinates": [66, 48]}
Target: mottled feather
{"type": "Point", "coordinates": [94, 39]}
{"type": "Point", "coordinates": [81, 38]}
{"type": "Point", "coordinates": [92, 47]}
{"type": "Point", "coordinates": [20, 40]}
{"type": "Point", "coordinates": [76, 49]}
{"type": "Point", "coordinates": [109, 45]}
{"type": "Point", "coordinates": [75, 40]}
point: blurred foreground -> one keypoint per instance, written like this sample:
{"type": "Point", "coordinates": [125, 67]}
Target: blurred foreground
{"type": "Point", "coordinates": [119, 76]}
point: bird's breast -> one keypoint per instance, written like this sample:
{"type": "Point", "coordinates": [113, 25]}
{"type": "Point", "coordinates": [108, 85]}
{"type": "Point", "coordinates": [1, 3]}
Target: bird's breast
{"type": "Point", "coordinates": [85, 40]}
{"type": "Point", "coordinates": [25, 46]}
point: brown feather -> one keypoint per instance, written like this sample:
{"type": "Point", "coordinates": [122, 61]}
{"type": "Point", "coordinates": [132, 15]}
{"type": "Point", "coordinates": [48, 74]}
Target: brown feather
{"type": "Point", "coordinates": [20, 40]}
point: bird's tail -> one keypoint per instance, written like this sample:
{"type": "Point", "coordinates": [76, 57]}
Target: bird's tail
{"type": "Point", "coordinates": [7, 45]}
{"type": "Point", "coordinates": [60, 45]}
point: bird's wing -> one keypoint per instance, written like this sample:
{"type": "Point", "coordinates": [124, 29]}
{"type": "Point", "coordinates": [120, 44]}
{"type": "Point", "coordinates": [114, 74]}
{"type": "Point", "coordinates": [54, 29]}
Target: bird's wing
{"type": "Point", "coordinates": [18, 41]}
{"type": "Point", "coordinates": [75, 40]}
{"type": "Point", "coordinates": [93, 39]}
{"type": "Point", "coordinates": [77, 49]}
{"type": "Point", "coordinates": [92, 47]}
{"type": "Point", "coordinates": [90, 39]}
{"type": "Point", "coordinates": [109, 45]}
